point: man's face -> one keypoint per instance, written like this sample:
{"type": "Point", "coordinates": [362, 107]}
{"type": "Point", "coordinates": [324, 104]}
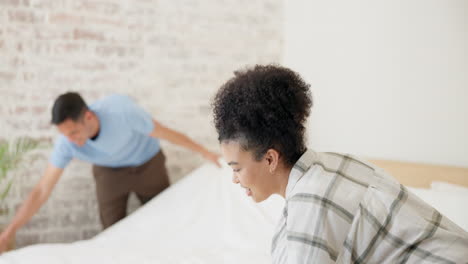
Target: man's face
{"type": "Point", "coordinates": [251, 174]}
{"type": "Point", "coordinates": [77, 132]}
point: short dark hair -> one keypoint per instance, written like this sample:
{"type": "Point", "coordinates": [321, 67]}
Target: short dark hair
{"type": "Point", "coordinates": [69, 105]}
{"type": "Point", "coordinates": [264, 107]}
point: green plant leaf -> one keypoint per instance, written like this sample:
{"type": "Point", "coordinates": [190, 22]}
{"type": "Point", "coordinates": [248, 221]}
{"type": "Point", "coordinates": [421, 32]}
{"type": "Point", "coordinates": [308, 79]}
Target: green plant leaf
{"type": "Point", "coordinates": [10, 156]}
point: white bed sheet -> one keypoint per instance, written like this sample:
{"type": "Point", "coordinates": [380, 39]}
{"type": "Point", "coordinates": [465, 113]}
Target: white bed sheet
{"type": "Point", "coordinates": [203, 218]}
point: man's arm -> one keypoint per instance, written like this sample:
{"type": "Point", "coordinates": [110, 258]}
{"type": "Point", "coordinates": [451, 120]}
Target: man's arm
{"type": "Point", "coordinates": [180, 139]}
{"type": "Point", "coordinates": [31, 205]}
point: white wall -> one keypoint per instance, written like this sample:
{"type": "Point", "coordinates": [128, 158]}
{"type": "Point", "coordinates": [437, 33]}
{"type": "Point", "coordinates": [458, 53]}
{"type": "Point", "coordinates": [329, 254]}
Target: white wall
{"type": "Point", "coordinates": [389, 78]}
{"type": "Point", "coordinates": [170, 56]}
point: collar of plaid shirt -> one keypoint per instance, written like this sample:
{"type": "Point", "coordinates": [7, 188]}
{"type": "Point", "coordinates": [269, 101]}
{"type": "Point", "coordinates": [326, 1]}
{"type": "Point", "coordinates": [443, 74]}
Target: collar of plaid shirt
{"type": "Point", "coordinates": [341, 209]}
{"type": "Point", "coordinates": [299, 169]}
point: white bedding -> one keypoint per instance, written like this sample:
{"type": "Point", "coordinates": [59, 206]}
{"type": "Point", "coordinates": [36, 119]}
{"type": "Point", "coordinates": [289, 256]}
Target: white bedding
{"type": "Point", "coordinates": [204, 218]}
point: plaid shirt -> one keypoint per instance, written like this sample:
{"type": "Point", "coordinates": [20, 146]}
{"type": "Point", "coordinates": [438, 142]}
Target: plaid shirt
{"type": "Point", "coordinates": [343, 210]}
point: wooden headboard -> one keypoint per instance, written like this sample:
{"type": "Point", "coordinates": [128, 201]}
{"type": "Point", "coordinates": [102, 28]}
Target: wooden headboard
{"type": "Point", "coordinates": [421, 175]}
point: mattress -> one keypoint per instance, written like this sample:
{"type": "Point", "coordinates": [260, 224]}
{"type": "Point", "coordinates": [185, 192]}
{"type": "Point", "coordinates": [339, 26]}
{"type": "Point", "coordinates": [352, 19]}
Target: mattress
{"type": "Point", "coordinates": [203, 218]}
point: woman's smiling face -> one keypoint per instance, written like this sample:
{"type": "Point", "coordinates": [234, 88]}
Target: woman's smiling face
{"type": "Point", "coordinates": [253, 175]}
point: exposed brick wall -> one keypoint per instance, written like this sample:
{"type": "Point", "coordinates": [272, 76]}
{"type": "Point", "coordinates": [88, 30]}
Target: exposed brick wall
{"type": "Point", "coordinates": [171, 56]}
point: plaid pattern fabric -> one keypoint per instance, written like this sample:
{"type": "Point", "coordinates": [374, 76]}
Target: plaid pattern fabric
{"type": "Point", "coordinates": [340, 209]}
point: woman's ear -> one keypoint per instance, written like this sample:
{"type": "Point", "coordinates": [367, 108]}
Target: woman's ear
{"type": "Point", "coordinates": [272, 157]}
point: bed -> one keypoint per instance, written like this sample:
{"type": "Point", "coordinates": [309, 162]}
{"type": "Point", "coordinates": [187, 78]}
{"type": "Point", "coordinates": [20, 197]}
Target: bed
{"type": "Point", "coordinates": [204, 218]}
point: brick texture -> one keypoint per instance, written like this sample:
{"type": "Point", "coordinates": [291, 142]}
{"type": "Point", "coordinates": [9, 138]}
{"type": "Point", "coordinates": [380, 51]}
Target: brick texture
{"type": "Point", "coordinates": [171, 56]}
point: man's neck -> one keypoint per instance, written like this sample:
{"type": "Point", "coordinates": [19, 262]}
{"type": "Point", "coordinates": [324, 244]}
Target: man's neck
{"type": "Point", "coordinates": [96, 128]}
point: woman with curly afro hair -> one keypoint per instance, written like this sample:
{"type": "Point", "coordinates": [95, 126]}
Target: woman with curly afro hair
{"type": "Point", "coordinates": [264, 110]}
{"type": "Point", "coordinates": [339, 209]}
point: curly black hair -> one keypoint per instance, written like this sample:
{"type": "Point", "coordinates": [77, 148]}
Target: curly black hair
{"type": "Point", "coordinates": [264, 107]}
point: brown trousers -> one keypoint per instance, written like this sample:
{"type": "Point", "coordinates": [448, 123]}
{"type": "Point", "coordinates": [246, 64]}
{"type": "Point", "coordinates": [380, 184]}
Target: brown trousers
{"type": "Point", "coordinates": [114, 185]}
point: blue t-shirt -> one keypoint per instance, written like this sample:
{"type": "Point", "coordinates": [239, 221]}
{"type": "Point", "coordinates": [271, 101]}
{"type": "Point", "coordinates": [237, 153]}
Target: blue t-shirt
{"type": "Point", "coordinates": [123, 139]}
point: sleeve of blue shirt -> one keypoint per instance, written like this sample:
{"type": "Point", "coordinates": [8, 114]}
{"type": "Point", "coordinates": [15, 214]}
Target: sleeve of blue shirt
{"type": "Point", "coordinates": [62, 154]}
{"type": "Point", "coordinates": [138, 119]}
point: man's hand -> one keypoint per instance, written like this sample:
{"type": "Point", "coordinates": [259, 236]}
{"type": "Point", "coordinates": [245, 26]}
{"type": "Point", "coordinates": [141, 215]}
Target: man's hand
{"type": "Point", "coordinates": [213, 157]}
{"type": "Point", "coordinates": [39, 194]}
{"type": "Point", "coordinates": [175, 137]}
{"type": "Point", "coordinates": [5, 237]}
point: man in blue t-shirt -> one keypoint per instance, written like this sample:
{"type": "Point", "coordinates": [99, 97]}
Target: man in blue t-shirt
{"type": "Point", "coordinates": [121, 140]}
